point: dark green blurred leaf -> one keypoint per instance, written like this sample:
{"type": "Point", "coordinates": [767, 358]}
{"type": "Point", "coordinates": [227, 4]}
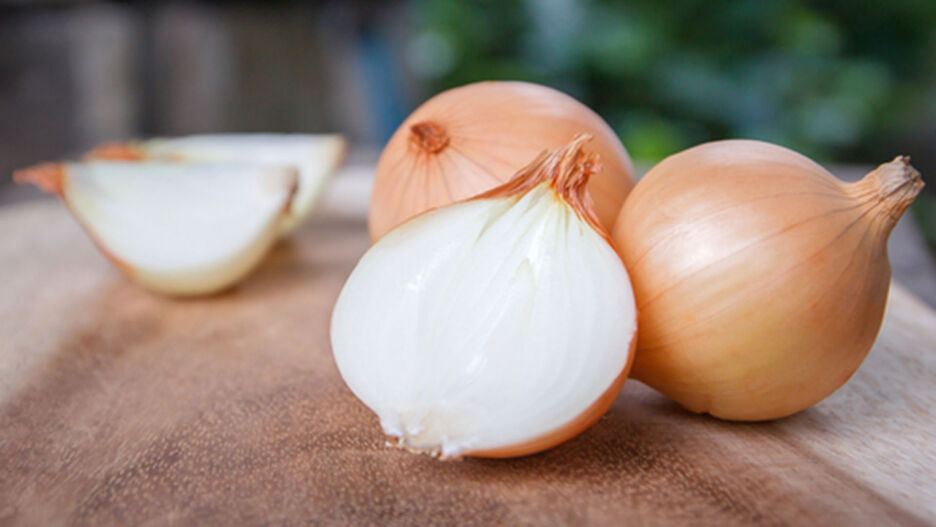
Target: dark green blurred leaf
{"type": "Point", "coordinates": [834, 78]}
{"type": "Point", "coordinates": [924, 211]}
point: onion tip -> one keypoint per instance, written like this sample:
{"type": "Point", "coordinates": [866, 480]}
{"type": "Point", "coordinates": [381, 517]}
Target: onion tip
{"type": "Point", "coordinates": [895, 184]}
{"type": "Point", "coordinates": [567, 171]}
{"type": "Point", "coordinates": [48, 177]}
{"type": "Point", "coordinates": [115, 152]}
{"type": "Point", "coordinates": [429, 136]}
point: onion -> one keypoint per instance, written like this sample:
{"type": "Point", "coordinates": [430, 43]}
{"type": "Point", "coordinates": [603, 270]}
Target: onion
{"type": "Point", "coordinates": [175, 228]}
{"type": "Point", "coordinates": [495, 327]}
{"type": "Point", "coordinates": [315, 158]}
{"type": "Point", "coordinates": [470, 139]}
{"type": "Point", "coordinates": [760, 278]}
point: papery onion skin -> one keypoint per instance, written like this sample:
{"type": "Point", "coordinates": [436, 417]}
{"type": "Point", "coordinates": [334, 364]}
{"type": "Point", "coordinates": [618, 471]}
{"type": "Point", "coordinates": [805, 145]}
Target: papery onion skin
{"type": "Point", "coordinates": [760, 278]}
{"type": "Point", "coordinates": [473, 138]}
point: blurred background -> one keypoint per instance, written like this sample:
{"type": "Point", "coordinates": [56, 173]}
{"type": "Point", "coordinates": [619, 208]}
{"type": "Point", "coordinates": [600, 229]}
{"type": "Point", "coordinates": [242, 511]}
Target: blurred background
{"type": "Point", "coordinates": [842, 81]}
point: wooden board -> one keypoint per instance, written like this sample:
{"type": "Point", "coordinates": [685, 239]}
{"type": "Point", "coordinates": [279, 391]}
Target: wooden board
{"type": "Point", "coordinates": [118, 407]}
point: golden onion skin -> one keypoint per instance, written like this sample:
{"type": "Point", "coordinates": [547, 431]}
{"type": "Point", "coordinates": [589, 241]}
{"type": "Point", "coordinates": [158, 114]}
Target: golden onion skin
{"type": "Point", "coordinates": [470, 139]}
{"type": "Point", "coordinates": [760, 278]}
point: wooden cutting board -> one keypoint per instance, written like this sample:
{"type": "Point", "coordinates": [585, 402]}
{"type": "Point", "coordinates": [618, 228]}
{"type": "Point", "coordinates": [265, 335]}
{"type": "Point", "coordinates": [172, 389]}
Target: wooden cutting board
{"type": "Point", "coordinates": [119, 407]}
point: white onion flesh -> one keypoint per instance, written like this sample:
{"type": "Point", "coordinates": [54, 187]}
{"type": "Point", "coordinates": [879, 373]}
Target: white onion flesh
{"type": "Point", "coordinates": [316, 157]}
{"type": "Point", "coordinates": [181, 228]}
{"type": "Point", "coordinates": [484, 324]}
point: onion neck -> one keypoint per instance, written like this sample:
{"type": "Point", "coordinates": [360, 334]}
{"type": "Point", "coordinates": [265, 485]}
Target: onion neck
{"type": "Point", "coordinates": [566, 170]}
{"type": "Point", "coordinates": [890, 188]}
{"type": "Point", "coordinates": [429, 136]}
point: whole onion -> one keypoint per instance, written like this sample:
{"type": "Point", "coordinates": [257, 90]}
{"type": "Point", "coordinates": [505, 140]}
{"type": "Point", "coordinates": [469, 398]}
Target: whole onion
{"type": "Point", "coordinates": [470, 139]}
{"type": "Point", "coordinates": [760, 279]}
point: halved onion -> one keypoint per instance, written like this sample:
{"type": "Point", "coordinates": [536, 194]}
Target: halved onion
{"type": "Point", "coordinates": [176, 228]}
{"type": "Point", "coordinates": [316, 157]}
{"type": "Point", "coordinates": [495, 327]}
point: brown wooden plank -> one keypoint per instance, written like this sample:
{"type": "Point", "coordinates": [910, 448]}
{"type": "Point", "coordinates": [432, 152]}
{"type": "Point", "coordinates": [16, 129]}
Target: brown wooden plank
{"type": "Point", "coordinates": [121, 407]}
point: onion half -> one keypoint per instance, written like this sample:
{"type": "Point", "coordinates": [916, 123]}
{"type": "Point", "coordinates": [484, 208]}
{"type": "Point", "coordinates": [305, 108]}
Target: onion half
{"type": "Point", "coordinates": [315, 158]}
{"type": "Point", "coordinates": [498, 326]}
{"type": "Point", "coordinates": [175, 228]}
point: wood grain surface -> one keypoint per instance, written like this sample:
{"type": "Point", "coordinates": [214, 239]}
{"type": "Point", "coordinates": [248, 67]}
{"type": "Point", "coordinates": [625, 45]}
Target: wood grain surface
{"type": "Point", "coordinates": [119, 407]}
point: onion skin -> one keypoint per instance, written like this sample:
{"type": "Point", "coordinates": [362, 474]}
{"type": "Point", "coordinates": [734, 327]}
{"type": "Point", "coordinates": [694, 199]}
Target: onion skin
{"type": "Point", "coordinates": [760, 278]}
{"type": "Point", "coordinates": [470, 139]}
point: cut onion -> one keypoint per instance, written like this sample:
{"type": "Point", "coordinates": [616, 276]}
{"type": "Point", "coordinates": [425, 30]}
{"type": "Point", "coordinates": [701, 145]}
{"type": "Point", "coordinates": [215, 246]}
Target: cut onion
{"type": "Point", "coordinates": [316, 157]}
{"type": "Point", "coordinates": [495, 327]}
{"type": "Point", "coordinates": [176, 228]}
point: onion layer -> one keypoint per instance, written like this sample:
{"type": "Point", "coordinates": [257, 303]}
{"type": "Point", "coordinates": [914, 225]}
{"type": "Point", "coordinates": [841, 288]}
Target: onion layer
{"type": "Point", "coordinates": [498, 326]}
{"type": "Point", "coordinates": [760, 279]}
{"type": "Point", "coordinates": [470, 139]}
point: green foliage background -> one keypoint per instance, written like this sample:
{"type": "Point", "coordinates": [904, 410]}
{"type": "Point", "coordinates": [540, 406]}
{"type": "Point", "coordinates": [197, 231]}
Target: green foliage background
{"type": "Point", "coordinates": [848, 81]}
